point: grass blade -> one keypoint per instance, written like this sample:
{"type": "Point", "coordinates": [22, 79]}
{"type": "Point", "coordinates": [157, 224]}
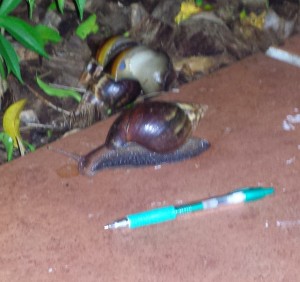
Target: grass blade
{"type": "Point", "coordinates": [24, 33]}
{"type": "Point", "coordinates": [8, 6]}
{"type": "Point", "coordinates": [10, 57]}
{"type": "Point", "coordinates": [80, 6]}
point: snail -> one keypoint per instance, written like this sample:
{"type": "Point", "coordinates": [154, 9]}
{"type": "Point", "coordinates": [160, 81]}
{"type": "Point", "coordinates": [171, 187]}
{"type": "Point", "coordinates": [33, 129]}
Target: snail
{"type": "Point", "coordinates": [124, 58]}
{"type": "Point", "coordinates": [108, 96]}
{"type": "Point", "coordinates": [151, 133]}
{"type": "Point", "coordinates": [152, 69]}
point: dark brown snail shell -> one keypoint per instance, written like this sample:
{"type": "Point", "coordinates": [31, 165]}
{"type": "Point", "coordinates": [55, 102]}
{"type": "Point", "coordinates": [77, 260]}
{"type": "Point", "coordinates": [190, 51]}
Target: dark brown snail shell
{"type": "Point", "coordinates": [149, 134]}
{"type": "Point", "coordinates": [108, 94]}
{"type": "Point", "coordinates": [158, 126]}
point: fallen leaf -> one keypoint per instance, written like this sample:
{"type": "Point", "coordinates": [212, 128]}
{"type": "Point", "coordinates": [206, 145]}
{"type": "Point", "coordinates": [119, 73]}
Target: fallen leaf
{"type": "Point", "coordinates": [187, 9]}
{"type": "Point", "coordinates": [11, 121]}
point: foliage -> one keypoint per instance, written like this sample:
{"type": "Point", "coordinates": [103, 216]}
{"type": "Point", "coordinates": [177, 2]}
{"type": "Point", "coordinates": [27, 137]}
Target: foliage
{"type": "Point", "coordinates": [61, 4]}
{"type": "Point", "coordinates": [255, 20]}
{"type": "Point", "coordinates": [8, 144]}
{"type": "Point", "coordinates": [11, 121]}
{"type": "Point", "coordinates": [87, 27]}
{"type": "Point", "coordinates": [32, 37]}
{"type": "Point", "coordinates": [80, 6]}
{"type": "Point", "coordinates": [11, 137]}
{"type": "Point", "coordinates": [191, 7]}
{"type": "Point", "coordinates": [58, 92]}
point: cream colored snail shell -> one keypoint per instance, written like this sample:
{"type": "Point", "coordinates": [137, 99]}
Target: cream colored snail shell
{"type": "Point", "coordinates": [152, 69]}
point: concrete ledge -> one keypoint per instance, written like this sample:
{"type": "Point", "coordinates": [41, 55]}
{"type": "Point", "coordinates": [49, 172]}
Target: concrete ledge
{"type": "Point", "coordinates": [52, 225]}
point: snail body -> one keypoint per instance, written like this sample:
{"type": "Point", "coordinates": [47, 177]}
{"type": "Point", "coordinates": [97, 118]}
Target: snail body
{"type": "Point", "coordinates": [151, 133]}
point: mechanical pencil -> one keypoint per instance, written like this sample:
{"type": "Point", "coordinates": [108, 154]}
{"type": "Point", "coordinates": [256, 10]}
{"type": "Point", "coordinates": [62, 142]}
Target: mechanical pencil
{"type": "Point", "coordinates": [168, 213]}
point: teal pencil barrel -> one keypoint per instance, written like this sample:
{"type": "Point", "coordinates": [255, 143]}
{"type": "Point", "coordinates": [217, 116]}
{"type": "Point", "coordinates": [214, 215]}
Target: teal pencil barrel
{"type": "Point", "coordinates": [152, 217]}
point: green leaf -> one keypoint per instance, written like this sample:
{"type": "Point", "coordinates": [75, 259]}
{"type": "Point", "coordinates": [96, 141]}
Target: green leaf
{"type": "Point", "coordinates": [61, 5]}
{"type": "Point", "coordinates": [208, 7]}
{"type": "Point", "coordinates": [52, 6]}
{"type": "Point", "coordinates": [47, 34]}
{"type": "Point", "coordinates": [58, 92]}
{"type": "Point", "coordinates": [243, 14]}
{"type": "Point", "coordinates": [31, 5]}
{"type": "Point", "coordinates": [8, 144]}
{"type": "Point", "coordinates": [199, 3]}
{"type": "Point", "coordinates": [29, 146]}
{"type": "Point", "coordinates": [2, 67]}
{"type": "Point", "coordinates": [126, 34]}
{"type": "Point", "coordinates": [49, 133]}
{"type": "Point", "coordinates": [88, 26]}
{"type": "Point", "coordinates": [7, 6]}
{"type": "Point", "coordinates": [80, 6]}
{"type": "Point", "coordinates": [24, 33]}
{"type": "Point", "coordinates": [10, 57]}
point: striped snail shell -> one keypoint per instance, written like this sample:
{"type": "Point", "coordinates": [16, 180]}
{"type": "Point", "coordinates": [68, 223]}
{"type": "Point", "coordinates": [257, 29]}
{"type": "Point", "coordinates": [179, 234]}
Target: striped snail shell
{"type": "Point", "coordinates": [111, 48]}
{"type": "Point", "coordinates": [105, 54]}
{"type": "Point", "coordinates": [124, 58]}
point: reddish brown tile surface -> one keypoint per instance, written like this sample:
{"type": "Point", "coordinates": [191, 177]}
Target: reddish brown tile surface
{"type": "Point", "coordinates": [51, 226]}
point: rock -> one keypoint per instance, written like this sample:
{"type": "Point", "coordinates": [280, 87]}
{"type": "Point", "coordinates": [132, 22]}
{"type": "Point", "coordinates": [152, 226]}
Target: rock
{"type": "Point", "coordinates": [167, 10]}
{"type": "Point", "coordinates": [206, 34]}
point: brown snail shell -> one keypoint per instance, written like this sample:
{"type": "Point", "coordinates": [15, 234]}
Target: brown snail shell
{"type": "Point", "coordinates": [149, 134]}
{"type": "Point", "coordinates": [158, 126]}
{"type": "Point", "coordinates": [152, 69]}
{"type": "Point", "coordinates": [114, 94]}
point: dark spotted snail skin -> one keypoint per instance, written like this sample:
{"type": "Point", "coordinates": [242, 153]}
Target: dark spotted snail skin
{"type": "Point", "coordinates": [151, 133]}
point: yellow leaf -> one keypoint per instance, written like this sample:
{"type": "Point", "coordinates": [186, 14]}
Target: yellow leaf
{"type": "Point", "coordinates": [187, 9]}
{"type": "Point", "coordinates": [255, 20]}
{"type": "Point", "coordinates": [11, 121]}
